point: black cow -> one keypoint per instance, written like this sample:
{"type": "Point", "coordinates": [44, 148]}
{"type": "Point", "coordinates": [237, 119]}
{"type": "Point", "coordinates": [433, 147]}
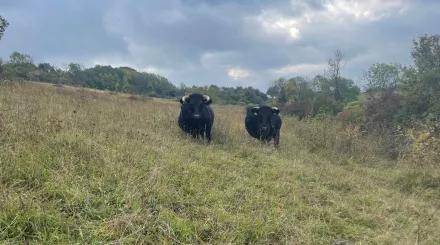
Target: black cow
{"type": "Point", "coordinates": [196, 116]}
{"type": "Point", "coordinates": [264, 123]}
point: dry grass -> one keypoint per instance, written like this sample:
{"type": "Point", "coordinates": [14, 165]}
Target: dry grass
{"type": "Point", "coordinates": [77, 166]}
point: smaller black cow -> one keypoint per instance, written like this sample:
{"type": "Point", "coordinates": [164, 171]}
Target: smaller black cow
{"type": "Point", "coordinates": [264, 123]}
{"type": "Point", "coordinates": [196, 116]}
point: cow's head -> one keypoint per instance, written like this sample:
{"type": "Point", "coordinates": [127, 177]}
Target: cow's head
{"type": "Point", "coordinates": [193, 104]}
{"type": "Point", "coordinates": [265, 115]}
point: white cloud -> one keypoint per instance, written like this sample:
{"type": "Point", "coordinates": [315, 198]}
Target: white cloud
{"type": "Point", "coordinates": [300, 69]}
{"type": "Point", "coordinates": [365, 10]}
{"type": "Point", "coordinates": [272, 21]}
{"type": "Point", "coordinates": [237, 73]}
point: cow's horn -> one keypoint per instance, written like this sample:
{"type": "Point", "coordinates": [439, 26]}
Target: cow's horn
{"type": "Point", "coordinates": [184, 98]}
{"type": "Point", "coordinates": [206, 97]}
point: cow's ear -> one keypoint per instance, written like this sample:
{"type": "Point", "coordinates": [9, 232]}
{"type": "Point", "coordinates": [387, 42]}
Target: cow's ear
{"type": "Point", "coordinates": [207, 100]}
{"type": "Point", "coordinates": [255, 110]}
{"type": "Point", "coordinates": [184, 100]}
{"type": "Point", "coordinates": [275, 111]}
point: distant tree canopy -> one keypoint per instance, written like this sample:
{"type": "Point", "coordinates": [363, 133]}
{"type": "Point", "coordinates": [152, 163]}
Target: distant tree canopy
{"type": "Point", "coordinates": [395, 96]}
{"type": "Point", "coordinates": [324, 94]}
{"type": "Point", "coordinates": [122, 79]}
{"type": "Point", "coordinates": [228, 95]}
{"type": "Point", "coordinates": [399, 96]}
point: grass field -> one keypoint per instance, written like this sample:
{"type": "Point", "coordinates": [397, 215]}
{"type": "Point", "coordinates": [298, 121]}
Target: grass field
{"type": "Point", "coordinates": [85, 167]}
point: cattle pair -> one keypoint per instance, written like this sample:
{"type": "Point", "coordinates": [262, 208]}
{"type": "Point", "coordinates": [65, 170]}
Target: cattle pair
{"type": "Point", "coordinates": [197, 118]}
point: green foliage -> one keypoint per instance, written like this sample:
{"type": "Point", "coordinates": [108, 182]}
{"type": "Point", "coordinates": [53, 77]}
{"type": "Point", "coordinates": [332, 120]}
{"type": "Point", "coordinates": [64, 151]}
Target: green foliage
{"type": "Point", "coordinates": [227, 95]}
{"type": "Point", "coordinates": [424, 148]}
{"type": "Point", "coordinates": [401, 96]}
{"type": "Point", "coordinates": [355, 111]}
{"type": "Point", "coordinates": [122, 79]}
{"type": "Point", "coordinates": [20, 66]}
{"type": "Point", "coordinates": [421, 86]}
{"type": "Point", "coordinates": [286, 91]}
{"type": "Point", "coordinates": [321, 95]}
{"type": "Point", "coordinates": [347, 90]}
{"type": "Point", "coordinates": [3, 25]}
{"type": "Point", "coordinates": [381, 77]}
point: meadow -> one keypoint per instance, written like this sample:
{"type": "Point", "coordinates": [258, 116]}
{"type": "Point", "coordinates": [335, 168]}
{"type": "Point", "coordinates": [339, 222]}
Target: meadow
{"type": "Point", "coordinates": [79, 166]}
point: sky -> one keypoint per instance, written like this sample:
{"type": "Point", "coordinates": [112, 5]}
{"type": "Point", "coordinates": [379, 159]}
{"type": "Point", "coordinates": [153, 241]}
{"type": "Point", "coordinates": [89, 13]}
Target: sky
{"type": "Point", "coordinates": [221, 42]}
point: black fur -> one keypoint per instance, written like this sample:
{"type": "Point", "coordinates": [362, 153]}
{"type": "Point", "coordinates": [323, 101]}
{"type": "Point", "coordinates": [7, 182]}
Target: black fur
{"type": "Point", "coordinates": [196, 116]}
{"type": "Point", "coordinates": [263, 123]}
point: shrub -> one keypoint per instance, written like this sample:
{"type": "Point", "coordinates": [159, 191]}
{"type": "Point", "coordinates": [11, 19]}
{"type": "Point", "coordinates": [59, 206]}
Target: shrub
{"type": "Point", "coordinates": [381, 110]}
{"type": "Point", "coordinates": [424, 149]}
{"type": "Point", "coordinates": [300, 108]}
{"type": "Point", "coordinates": [354, 112]}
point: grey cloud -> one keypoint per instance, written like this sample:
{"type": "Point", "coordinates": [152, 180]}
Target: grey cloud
{"type": "Point", "coordinates": [176, 35]}
{"type": "Point", "coordinates": [50, 27]}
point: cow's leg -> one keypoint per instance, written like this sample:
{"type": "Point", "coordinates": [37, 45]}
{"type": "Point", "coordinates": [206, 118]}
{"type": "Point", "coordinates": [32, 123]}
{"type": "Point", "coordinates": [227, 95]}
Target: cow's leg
{"type": "Point", "coordinates": [194, 133]}
{"type": "Point", "coordinates": [201, 130]}
{"type": "Point", "coordinates": [277, 138]}
{"type": "Point", "coordinates": [208, 132]}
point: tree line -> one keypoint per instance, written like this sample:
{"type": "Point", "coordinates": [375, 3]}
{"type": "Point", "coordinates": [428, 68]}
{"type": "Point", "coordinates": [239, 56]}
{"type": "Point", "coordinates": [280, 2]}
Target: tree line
{"type": "Point", "coordinates": [120, 79]}
{"type": "Point", "coordinates": [392, 95]}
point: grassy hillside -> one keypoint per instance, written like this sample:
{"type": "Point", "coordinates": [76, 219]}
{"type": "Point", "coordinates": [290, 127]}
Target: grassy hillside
{"type": "Point", "coordinates": [78, 166]}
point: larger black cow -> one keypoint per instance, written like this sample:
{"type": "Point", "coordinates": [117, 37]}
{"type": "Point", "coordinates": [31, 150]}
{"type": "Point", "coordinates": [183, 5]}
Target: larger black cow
{"type": "Point", "coordinates": [264, 123]}
{"type": "Point", "coordinates": [196, 116]}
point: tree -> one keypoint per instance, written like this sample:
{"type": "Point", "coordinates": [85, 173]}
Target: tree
{"type": "Point", "coordinates": [421, 83]}
{"type": "Point", "coordinates": [381, 77]}
{"type": "Point", "coordinates": [275, 89]}
{"type": "Point", "coordinates": [20, 58]}
{"type": "Point", "coordinates": [20, 65]}
{"type": "Point", "coordinates": [334, 73]}
{"type": "Point", "coordinates": [46, 67]}
{"type": "Point", "coordinates": [347, 91]}
{"type": "Point", "coordinates": [426, 53]}
{"type": "Point", "coordinates": [3, 25]}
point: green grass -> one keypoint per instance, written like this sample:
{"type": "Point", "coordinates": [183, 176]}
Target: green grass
{"type": "Point", "coordinates": [86, 167]}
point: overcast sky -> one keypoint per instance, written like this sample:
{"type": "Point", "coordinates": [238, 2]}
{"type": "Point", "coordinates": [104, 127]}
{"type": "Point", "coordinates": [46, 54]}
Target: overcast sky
{"type": "Point", "coordinates": [222, 42]}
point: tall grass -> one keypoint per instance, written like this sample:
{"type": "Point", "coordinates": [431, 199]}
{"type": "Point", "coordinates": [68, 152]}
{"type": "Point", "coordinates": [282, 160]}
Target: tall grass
{"type": "Point", "coordinates": [78, 166]}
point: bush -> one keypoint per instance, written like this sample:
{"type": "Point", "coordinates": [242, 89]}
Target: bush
{"type": "Point", "coordinates": [354, 112]}
{"type": "Point", "coordinates": [381, 110]}
{"type": "Point", "coordinates": [300, 108]}
{"type": "Point", "coordinates": [424, 149]}
{"type": "Point", "coordinates": [326, 105]}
